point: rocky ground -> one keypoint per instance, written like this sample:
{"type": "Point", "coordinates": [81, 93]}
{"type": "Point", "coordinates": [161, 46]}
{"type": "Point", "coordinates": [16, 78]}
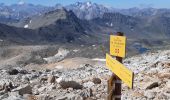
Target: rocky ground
{"type": "Point", "coordinates": [85, 79]}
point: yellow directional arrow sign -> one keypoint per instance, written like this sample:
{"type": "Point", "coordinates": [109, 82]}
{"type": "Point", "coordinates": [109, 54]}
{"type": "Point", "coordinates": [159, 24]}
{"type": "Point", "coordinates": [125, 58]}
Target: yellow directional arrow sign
{"type": "Point", "coordinates": [118, 45]}
{"type": "Point", "coordinates": [120, 70]}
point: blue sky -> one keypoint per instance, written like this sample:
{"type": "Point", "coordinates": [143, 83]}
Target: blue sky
{"type": "Point", "coordinates": [113, 3]}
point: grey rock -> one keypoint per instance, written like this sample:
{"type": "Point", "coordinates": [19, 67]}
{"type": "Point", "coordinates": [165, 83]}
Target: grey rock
{"type": "Point", "coordinates": [25, 89]}
{"type": "Point", "coordinates": [88, 84]}
{"type": "Point", "coordinates": [86, 93]}
{"type": "Point", "coordinates": [41, 89]}
{"type": "Point", "coordinates": [2, 97]}
{"type": "Point", "coordinates": [96, 80]}
{"type": "Point", "coordinates": [51, 79]}
{"type": "Point", "coordinates": [152, 85]}
{"type": "Point", "coordinates": [14, 96]}
{"type": "Point", "coordinates": [23, 72]}
{"type": "Point", "coordinates": [150, 94]}
{"type": "Point", "coordinates": [12, 71]}
{"type": "Point", "coordinates": [43, 79]}
{"type": "Point", "coordinates": [70, 84]}
{"type": "Point", "coordinates": [70, 97]}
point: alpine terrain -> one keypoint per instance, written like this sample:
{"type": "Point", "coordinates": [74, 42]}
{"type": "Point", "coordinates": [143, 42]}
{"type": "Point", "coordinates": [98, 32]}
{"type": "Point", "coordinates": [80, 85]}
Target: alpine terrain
{"type": "Point", "coordinates": [59, 52]}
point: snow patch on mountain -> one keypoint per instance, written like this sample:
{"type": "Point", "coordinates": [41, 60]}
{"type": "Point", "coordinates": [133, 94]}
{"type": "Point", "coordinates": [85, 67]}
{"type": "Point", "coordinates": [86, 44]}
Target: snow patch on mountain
{"type": "Point", "coordinates": [26, 26]}
{"type": "Point", "coordinates": [21, 2]}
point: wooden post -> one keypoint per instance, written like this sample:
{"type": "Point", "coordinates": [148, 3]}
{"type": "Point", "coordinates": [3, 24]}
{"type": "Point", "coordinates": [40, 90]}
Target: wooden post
{"type": "Point", "coordinates": [118, 82]}
{"type": "Point", "coordinates": [111, 87]}
{"type": "Point", "coordinates": [114, 83]}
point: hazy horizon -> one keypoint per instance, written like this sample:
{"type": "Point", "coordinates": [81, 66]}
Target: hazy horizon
{"type": "Point", "coordinates": [111, 3]}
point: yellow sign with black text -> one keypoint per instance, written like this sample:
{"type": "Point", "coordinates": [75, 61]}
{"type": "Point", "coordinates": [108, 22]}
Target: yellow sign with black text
{"type": "Point", "coordinates": [120, 70]}
{"type": "Point", "coordinates": [118, 46]}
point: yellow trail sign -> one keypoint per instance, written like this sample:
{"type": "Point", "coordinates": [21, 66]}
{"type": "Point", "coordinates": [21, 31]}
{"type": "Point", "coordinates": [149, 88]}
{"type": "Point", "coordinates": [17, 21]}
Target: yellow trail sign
{"type": "Point", "coordinates": [118, 46]}
{"type": "Point", "coordinates": [120, 70]}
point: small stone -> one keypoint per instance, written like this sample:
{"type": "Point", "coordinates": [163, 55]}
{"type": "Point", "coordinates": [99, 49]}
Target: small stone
{"type": "Point", "coordinates": [98, 95]}
{"type": "Point", "coordinates": [44, 97]}
{"type": "Point", "coordinates": [96, 80]}
{"type": "Point", "coordinates": [167, 65]}
{"type": "Point", "coordinates": [41, 89]}
{"type": "Point", "coordinates": [25, 79]}
{"type": "Point", "coordinates": [23, 72]}
{"type": "Point", "coordinates": [70, 89]}
{"type": "Point", "coordinates": [70, 84]}
{"type": "Point", "coordinates": [86, 93]}
{"type": "Point", "coordinates": [70, 96]}
{"type": "Point", "coordinates": [150, 94]}
{"type": "Point", "coordinates": [168, 84]}
{"type": "Point", "coordinates": [59, 79]}
{"type": "Point", "coordinates": [43, 79]}
{"type": "Point", "coordinates": [2, 87]}
{"type": "Point", "coordinates": [88, 84]}
{"type": "Point", "coordinates": [10, 85]}
{"type": "Point", "coordinates": [31, 97]}
{"type": "Point", "coordinates": [12, 71]}
{"type": "Point", "coordinates": [51, 87]}
{"type": "Point", "coordinates": [7, 86]}
{"type": "Point", "coordinates": [164, 75]}
{"type": "Point", "coordinates": [137, 94]}
{"type": "Point", "coordinates": [14, 96]}
{"type": "Point", "coordinates": [25, 89]}
{"type": "Point", "coordinates": [51, 79]}
{"type": "Point", "coordinates": [152, 85]}
{"type": "Point", "coordinates": [47, 70]}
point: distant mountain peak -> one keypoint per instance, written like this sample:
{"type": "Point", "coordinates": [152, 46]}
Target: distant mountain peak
{"type": "Point", "coordinates": [88, 3]}
{"type": "Point", "coordinates": [21, 2]}
{"type": "Point", "coordinates": [87, 10]}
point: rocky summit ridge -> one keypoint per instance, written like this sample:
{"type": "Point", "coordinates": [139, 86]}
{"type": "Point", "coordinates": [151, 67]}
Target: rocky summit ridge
{"type": "Point", "coordinates": [89, 80]}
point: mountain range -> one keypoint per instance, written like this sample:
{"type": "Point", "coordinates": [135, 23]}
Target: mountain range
{"type": "Point", "coordinates": [83, 23]}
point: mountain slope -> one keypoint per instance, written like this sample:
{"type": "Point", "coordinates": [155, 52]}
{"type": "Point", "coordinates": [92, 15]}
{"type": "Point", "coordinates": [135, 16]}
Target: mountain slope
{"type": "Point", "coordinates": [15, 12]}
{"type": "Point", "coordinates": [58, 26]}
